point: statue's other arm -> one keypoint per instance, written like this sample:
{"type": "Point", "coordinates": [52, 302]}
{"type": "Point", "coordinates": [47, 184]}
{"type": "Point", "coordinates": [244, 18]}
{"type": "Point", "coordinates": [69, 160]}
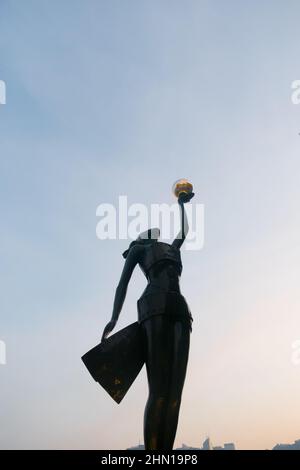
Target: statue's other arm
{"type": "Point", "coordinates": [120, 294]}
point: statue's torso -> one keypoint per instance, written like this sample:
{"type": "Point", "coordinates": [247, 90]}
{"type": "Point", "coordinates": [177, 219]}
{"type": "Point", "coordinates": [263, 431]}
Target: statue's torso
{"type": "Point", "coordinates": [157, 252]}
{"type": "Point", "coordinates": [162, 266]}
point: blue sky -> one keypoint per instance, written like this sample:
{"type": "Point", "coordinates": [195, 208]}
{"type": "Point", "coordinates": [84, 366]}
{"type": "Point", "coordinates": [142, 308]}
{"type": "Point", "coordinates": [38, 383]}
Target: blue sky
{"type": "Point", "coordinates": [123, 98]}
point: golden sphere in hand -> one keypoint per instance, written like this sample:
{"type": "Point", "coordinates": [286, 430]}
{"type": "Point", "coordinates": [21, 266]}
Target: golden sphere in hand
{"type": "Point", "coordinates": [182, 186]}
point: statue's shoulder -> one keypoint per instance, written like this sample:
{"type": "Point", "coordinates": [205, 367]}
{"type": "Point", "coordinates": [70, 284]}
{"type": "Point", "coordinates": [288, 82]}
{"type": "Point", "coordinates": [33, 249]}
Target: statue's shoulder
{"type": "Point", "coordinates": [136, 252]}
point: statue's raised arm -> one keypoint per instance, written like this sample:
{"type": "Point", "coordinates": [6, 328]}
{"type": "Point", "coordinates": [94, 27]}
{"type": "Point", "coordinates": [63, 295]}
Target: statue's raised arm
{"type": "Point", "coordinates": [184, 225]}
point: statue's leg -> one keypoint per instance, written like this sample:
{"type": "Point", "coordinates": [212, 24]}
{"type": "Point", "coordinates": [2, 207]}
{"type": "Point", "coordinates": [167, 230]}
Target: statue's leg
{"type": "Point", "coordinates": [177, 373]}
{"type": "Point", "coordinates": [167, 348]}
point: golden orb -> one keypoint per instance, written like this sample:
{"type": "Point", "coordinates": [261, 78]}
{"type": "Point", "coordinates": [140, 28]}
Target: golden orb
{"type": "Point", "coordinates": [182, 186]}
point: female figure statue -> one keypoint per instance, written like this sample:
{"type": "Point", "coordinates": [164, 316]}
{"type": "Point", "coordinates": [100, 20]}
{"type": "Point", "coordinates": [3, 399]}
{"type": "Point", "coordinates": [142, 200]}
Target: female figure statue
{"type": "Point", "coordinates": [166, 324]}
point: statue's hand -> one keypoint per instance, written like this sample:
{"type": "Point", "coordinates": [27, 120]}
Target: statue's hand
{"type": "Point", "coordinates": [109, 327]}
{"type": "Point", "coordinates": [185, 197]}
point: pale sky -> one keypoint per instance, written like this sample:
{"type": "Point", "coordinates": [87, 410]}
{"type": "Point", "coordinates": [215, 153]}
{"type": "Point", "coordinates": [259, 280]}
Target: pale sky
{"type": "Point", "coordinates": [123, 97]}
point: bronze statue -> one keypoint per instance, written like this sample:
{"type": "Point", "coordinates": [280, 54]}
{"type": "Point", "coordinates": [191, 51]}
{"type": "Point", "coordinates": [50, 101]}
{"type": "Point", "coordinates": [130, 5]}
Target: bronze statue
{"type": "Point", "coordinates": [165, 324]}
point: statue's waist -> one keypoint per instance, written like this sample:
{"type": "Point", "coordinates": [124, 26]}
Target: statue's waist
{"type": "Point", "coordinates": [162, 302]}
{"type": "Point", "coordinates": [162, 285]}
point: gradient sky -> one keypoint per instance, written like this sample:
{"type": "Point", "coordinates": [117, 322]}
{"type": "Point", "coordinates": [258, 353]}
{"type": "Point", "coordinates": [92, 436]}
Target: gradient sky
{"type": "Point", "coordinates": [106, 98]}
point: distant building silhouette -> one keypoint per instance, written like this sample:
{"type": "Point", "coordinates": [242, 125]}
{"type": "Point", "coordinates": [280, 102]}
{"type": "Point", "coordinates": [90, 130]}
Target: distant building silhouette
{"type": "Point", "coordinates": [229, 446]}
{"type": "Point", "coordinates": [185, 447]}
{"type": "Point", "coordinates": [138, 447]}
{"type": "Point", "coordinates": [295, 446]}
{"type": "Point", "coordinates": [205, 446]}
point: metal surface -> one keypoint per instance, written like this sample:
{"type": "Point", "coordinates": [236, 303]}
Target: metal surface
{"type": "Point", "coordinates": [116, 361]}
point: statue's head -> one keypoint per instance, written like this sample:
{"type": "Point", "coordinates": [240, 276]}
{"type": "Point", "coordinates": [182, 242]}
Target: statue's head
{"type": "Point", "coordinates": [149, 236]}
{"type": "Point", "coordinates": [145, 238]}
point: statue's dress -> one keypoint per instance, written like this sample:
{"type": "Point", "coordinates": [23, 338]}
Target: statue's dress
{"type": "Point", "coordinates": [162, 266]}
{"type": "Point", "coordinates": [116, 362]}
